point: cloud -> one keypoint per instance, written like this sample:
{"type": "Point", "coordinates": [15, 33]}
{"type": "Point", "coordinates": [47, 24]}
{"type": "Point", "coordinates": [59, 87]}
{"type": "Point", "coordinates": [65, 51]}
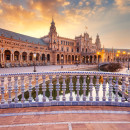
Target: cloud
{"type": "Point", "coordinates": [87, 3]}
{"type": "Point", "coordinates": [123, 5]}
{"type": "Point", "coordinates": [66, 3]}
{"type": "Point", "coordinates": [80, 3]}
{"type": "Point", "coordinates": [98, 2]}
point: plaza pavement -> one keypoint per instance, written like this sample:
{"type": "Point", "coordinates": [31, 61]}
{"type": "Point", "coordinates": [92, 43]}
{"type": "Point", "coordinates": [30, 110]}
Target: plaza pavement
{"type": "Point", "coordinates": [42, 68]}
{"type": "Point", "coordinates": [66, 118]}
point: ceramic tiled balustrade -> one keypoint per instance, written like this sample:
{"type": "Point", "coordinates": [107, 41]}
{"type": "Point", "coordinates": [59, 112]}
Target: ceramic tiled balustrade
{"type": "Point", "coordinates": [106, 101]}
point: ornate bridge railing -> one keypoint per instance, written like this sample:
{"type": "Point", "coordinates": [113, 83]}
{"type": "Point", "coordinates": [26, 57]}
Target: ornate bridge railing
{"type": "Point", "coordinates": [94, 83]}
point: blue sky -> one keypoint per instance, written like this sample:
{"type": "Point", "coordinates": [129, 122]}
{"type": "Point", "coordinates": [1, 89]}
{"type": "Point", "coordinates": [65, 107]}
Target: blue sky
{"type": "Point", "coordinates": [109, 18]}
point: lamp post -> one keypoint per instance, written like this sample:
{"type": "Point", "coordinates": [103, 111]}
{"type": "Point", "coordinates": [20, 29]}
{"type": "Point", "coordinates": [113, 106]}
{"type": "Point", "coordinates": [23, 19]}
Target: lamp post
{"type": "Point", "coordinates": [128, 61]}
{"type": "Point", "coordinates": [123, 54]}
{"type": "Point", "coordinates": [62, 61]}
{"type": "Point", "coordinates": [98, 53]}
{"type": "Point", "coordinates": [34, 56]}
{"type": "Point", "coordinates": [117, 55]}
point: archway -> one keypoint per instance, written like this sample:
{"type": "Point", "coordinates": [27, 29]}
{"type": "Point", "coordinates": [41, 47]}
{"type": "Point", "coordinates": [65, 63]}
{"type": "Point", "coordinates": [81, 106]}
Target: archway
{"type": "Point", "coordinates": [24, 56]}
{"type": "Point", "coordinates": [58, 58]}
{"type": "Point", "coordinates": [43, 57]}
{"type": "Point", "coordinates": [108, 59]}
{"type": "Point", "coordinates": [7, 55]}
{"type": "Point", "coordinates": [95, 58]}
{"type": "Point", "coordinates": [16, 55]}
{"type": "Point", "coordinates": [31, 56]}
{"type": "Point", "coordinates": [69, 59]}
{"type": "Point", "coordinates": [48, 57]}
{"type": "Point", "coordinates": [87, 59]}
{"type": "Point", "coordinates": [37, 56]}
{"type": "Point", "coordinates": [62, 58]}
{"type": "Point", "coordinates": [91, 58]}
{"type": "Point", "coordinates": [72, 58]}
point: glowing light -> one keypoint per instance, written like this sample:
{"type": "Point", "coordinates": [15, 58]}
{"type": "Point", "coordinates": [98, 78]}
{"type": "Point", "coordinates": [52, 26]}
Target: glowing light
{"type": "Point", "coordinates": [118, 51]}
{"type": "Point", "coordinates": [117, 55]}
{"type": "Point", "coordinates": [34, 55]}
{"type": "Point", "coordinates": [123, 52]}
{"type": "Point", "coordinates": [98, 53]}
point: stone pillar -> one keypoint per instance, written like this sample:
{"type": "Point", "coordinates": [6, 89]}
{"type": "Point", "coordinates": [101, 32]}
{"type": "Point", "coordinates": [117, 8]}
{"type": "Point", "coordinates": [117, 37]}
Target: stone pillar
{"type": "Point", "coordinates": [80, 59]}
{"type": "Point", "coordinates": [71, 59]}
{"type": "Point", "coordinates": [11, 57]}
{"type": "Point", "coordinates": [60, 59]}
{"type": "Point", "coordinates": [3, 57]}
{"type": "Point", "coordinates": [85, 59]}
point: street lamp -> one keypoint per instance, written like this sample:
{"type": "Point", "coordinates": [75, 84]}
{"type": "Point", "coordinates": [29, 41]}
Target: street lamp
{"type": "Point", "coordinates": [34, 56]}
{"type": "Point", "coordinates": [128, 61]}
{"type": "Point", "coordinates": [123, 54]}
{"type": "Point", "coordinates": [98, 53]}
{"type": "Point", "coordinates": [117, 55]}
{"type": "Point", "coordinates": [62, 61]}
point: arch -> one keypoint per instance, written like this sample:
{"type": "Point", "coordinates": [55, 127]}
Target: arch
{"type": "Point", "coordinates": [58, 58]}
{"type": "Point", "coordinates": [76, 58]}
{"type": "Point", "coordinates": [16, 55]}
{"type": "Point", "coordinates": [31, 56]}
{"type": "Point", "coordinates": [91, 58]}
{"type": "Point", "coordinates": [87, 59]}
{"type": "Point", "coordinates": [66, 58]}
{"type": "Point", "coordinates": [7, 55]}
{"type": "Point", "coordinates": [99, 58]}
{"type": "Point", "coordinates": [37, 56]}
{"type": "Point", "coordinates": [95, 58]}
{"type": "Point", "coordinates": [83, 60]}
{"type": "Point", "coordinates": [72, 58]}
{"type": "Point", "coordinates": [69, 58]}
{"type": "Point", "coordinates": [108, 59]}
{"type": "Point", "coordinates": [24, 56]}
{"type": "Point", "coordinates": [62, 58]}
{"type": "Point", "coordinates": [48, 57]}
{"type": "Point", "coordinates": [43, 57]}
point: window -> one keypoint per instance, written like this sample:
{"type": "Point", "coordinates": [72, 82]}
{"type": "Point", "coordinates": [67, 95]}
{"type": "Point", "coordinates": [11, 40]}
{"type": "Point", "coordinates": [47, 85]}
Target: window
{"type": "Point", "coordinates": [61, 42]}
{"type": "Point", "coordinates": [86, 49]}
{"type": "Point", "coordinates": [67, 49]}
{"type": "Point", "coordinates": [62, 49]}
{"type": "Point", "coordinates": [72, 49]}
{"type": "Point", "coordinates": [77, 49]}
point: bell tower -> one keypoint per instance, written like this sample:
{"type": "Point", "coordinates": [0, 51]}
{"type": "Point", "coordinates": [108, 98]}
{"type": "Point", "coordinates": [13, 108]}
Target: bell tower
{"type": "Point", "coordinates": [98, 43]}
{"type": "Point", "coordinates": [53, 36]}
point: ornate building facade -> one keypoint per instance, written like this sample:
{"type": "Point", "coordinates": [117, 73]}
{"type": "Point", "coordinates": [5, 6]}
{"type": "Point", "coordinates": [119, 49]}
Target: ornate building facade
{"type": "Point", "coordinates": [18, 50]}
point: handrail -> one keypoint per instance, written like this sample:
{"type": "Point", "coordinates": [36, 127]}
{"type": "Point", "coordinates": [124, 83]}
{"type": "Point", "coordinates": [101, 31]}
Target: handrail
{"type": "Point", "coordinates": [68, 72]}
{"type": "Point", "coordinates": [30, 79]}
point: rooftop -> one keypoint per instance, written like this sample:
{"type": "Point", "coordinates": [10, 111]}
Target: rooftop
{"type": "Point", "coordinates": [21, 37]}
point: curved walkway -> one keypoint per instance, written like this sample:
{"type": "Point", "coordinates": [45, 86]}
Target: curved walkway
{"type": "Point", "coordinates": [65, 118]}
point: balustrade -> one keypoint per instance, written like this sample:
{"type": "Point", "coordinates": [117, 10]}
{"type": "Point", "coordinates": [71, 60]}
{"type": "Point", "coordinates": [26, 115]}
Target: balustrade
{"type": "Point", "coordinates": [75, 84]}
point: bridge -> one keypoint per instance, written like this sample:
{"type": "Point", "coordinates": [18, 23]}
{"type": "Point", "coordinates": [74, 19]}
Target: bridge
{"type": "Point", "coordinates": [102, 80]}
{"type": "Point", "coordinates": [99, 110]}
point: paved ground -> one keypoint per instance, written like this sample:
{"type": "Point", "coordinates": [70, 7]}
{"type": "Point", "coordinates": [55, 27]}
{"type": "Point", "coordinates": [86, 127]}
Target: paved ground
{"type": "Point", "coordinates": [66, 118]}
{"type": "Point", "coordinates": [40, 68]}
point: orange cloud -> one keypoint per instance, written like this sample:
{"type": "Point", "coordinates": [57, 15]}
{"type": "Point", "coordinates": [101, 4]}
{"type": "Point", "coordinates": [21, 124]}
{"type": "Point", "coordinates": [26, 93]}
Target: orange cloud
{"type": "Point", "coordinates": [123, 5]}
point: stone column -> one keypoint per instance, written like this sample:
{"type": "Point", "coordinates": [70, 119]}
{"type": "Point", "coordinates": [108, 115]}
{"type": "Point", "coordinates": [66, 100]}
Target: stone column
{"type": "Point", "coordinates": [3, 57]}
{"type": "Point", "coordinates": [11, 57]}
{"type": "Point", "coordinates": [71, 59]}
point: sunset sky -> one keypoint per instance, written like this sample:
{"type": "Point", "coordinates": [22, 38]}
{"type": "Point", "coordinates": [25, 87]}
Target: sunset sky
{"type": "Point", "coordinates": [109, 18]}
